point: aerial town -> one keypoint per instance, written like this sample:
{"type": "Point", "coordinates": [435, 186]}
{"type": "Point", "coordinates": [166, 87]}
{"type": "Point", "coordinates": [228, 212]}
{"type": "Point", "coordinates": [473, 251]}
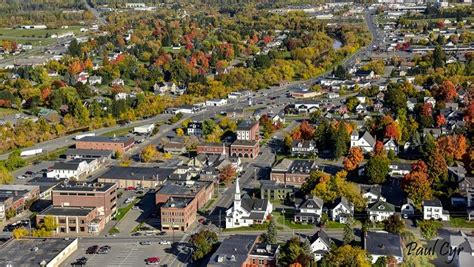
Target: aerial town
{"type": "Point", "coordinates": [237, 133]}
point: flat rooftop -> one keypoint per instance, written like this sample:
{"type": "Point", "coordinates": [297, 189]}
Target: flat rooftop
{"type": "Point", "coordinates": [22, 252]}
{"type": "Point", "coordinates": [177, 202]}
{"type": "Point", "coordinates": [181, 188]}
{"type": "Point", "coordinates": [138, 173]}
{"type": "Point", "coordinates": [246, 125]}
{"type": "Point", "coordinates": [104, 139]}
{"type": "Point", "coordinates": [84, 186]}
{"type": "Point", "coordinates": [67, 211]}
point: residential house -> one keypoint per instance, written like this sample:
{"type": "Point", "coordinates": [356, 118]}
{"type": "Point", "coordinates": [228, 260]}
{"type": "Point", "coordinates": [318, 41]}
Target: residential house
{"type": "Point", "coordinates": [433, 209]}
{"type": "Point", "coordinates": [175, 148]}
{"type": "Point", "coordinates": [364, 74]}
{"type": "Point", "coordinates": [407, 208]}
{"type": "Point", "coordinates": [341, 209]}
{"type": "Point", "coordinates": [411, 103]}
{"type": "Point", "coordinates": [360, 108]}
{"type": "Point", "coordinates": [390, 144]}
{"type": "Point", "coordinates": [430, 100]}
{"type": "Point", "coordinates": [194, 128]}
{"type": "Point", "coordinates": [303, 148]}
{"type": "Point", "coordinates": [73, 169]}
{"type": "Point", "coordinates": [247, 211]}
{"type": "Point", "coordinates": [320, 244]}
{"type": "Point", "coordinates": [380, 211]}
{"type": "Point", "coordinates": [292, 172]}
{"type": "Point", "coordinates": [372, 194]}
{"type": "Point", "coordinates": [309, 211]}
{"type": "Point", "coordinates": [118, 82]}
{"type": "Point", "coordinates": [216, 102]}
{"type": "Point", "coordinates": [95, 80]}
{"type": "Point", "coordinates": [383, 244]}
{"type": "Point", "coordinates": [463, 245]}
{"type": "Point", "coordinates": [163, 87]}
{"type": "Point", "coordinates": [364, 140]}
{"type": "Point", "coordinates": [399, 168]}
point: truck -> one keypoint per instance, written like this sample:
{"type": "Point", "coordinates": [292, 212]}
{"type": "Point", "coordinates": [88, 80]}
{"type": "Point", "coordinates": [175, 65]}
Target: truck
{"type": "Point", "coordinates": [31, 152]}
{"type": "Point", "coordinates": [80, 136]}
{"type": "Point", "coordinates": [144, 129]}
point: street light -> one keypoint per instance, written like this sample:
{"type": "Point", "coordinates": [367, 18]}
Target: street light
{"type": "Point", "coordinates": [283, 213]}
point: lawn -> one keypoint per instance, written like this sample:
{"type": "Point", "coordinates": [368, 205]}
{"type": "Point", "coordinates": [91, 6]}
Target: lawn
{"type": "Point", "coordinates": [333, 224]}
{"type": "Point", "coordinates": [121, 212]}
{"type": "Point", "coordinates": [118, 132]}
{"type": "Point", "coordinates": [6, 111]}
{"type": "Point", "coordinates": [460, 223]}
{"type": "Point", "coordinates": [288, 222]}
{"type": "Point", "coordinates": [35, 36]}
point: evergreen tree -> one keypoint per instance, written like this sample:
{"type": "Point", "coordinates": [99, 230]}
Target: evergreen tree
{"type": "Point", "coordinates": [271, 235]}
{"type": "Point", "coordinates": [348, 234]}
{"type": "Point", "coordinates": [341, 139]}
{"type": "Point", "coordinates": [439, 57]}
{"type": "Point", "coordinates": [74, 48]}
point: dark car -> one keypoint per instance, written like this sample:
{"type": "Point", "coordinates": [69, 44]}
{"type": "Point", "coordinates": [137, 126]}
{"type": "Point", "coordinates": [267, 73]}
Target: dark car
{"type": "Point", "coordinates": [92, 249]}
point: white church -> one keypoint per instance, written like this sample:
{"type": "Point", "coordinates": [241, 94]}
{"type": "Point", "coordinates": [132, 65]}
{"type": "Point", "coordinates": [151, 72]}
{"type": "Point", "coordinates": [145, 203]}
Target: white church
{"type": "Point", "coordinates": [246, 211]}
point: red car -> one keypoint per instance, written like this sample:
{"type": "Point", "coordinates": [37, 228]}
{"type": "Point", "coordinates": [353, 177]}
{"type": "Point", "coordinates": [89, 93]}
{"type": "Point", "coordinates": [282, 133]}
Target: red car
{"type": "Point", "coordinates": [131, 188]}
{"type": "Point", "coordinates": [202, 220]}
{"type": "Point", "coordinates": [153, 261]}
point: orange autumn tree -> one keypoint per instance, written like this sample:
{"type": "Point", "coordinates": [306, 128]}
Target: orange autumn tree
{"type": "Point", "coordinates": [307, 131]}
{"type": "Point", "coordinates": [417, 184]}
{"type": "Point", "coordinates": [378, 149]}
{"type": "Point", "coordinates": [452, 146]}
{"type": "Point", "coordinates": [227, 173]}
{"type": "Point", "coordinates": [440, 120]}
{"type": "Point", "coordinates": [353, 160]}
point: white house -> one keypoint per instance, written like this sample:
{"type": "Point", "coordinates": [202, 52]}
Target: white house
{"type": "Point", "coordinates": [320, 244]}
{"type": "Point", "coordinates": [216, 102]}
{"type": "Point", "coordinates": [433, 209]}
{"type": "Point", "coordinates": [380, 211]}
{"type": "Point", "coordinates": [246, 211]}
{"type": "Point", "coordinates": [194, 128]}
{"type": "Point", "coordinates": [95, 80]}
{"type": "Point", "coordinates": [163, 87]}
{"type": "Point", "coordinates": [341, 210]}
{"type": "Point", "coordinates": [373, 194]}
{"type": "Point", "coordinates": [407, 208]}
{"type": "Point", "coordinates": [310, 211]}
{"type": "Point", "coordinates": [118, 82]}
{"type": "Point", "coordinates": [383, 244]}
{"type": "Point", "coordinates": [430, 100]}
{"type": "Point", "coordinates": [69, 169]}
{"type": "Point", "coordinates": [332, 95]}
{"type": "Point", "coordinates": [365, 141]}
{"type": "Point", "coordinates": [121, 96]}
{"type": "Point", "coordinates": [390, 144]}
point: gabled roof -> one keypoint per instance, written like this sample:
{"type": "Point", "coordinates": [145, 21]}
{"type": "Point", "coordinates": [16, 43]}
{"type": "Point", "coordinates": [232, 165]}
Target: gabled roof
{"type": "Point", "coordinates": [344, 202]}
{"type": "Point", "coordinates": [321, 235]}
{"type": "Point", "coordinates": [432, 203]}
{"type": "Point", "coordinates": [312, 203]}
{"type": "Point", "coordinates": [381, 206]}
{"type": "Point", "coordinates": [368, 137]}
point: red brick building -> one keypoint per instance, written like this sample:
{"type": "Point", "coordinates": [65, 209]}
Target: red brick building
{"type": "Point", "coordinates": [179, 203]}
{"type": "Point", "coordinates": [121, 144]}
{"type": "Point", "coordinates": [177, 214]}
{"type": "Point", "coordinates": [292, 172]}
{"type": "Point", "coordinates": [213, 148]}
{"type": "Point", "coordinates": [81, 208]}
{"type": "Point", "coordinates": [247, 144]}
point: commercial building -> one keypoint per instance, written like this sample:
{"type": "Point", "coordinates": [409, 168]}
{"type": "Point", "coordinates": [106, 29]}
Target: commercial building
{"type": "Point", "coordinates": [177, 214]}
{"type": "Point", "coordinates": [200, 191]}
{"type": "Point", "coordinates": [48, 252]}
{"type": "Point", "coordinates": [247, 143]}
{"type": "Point", "coordinates": [16, 197]}
{"type": "Point", "coordinates": [146, 177]}
{"type": "Point", "coordinates": [292, 172]}
{"type": "Point", "coordinates": [120, 144]}
{"type": "Point", "coordinates": [244, 250]}
{"type": "Point", "coordinates": [81, 208]}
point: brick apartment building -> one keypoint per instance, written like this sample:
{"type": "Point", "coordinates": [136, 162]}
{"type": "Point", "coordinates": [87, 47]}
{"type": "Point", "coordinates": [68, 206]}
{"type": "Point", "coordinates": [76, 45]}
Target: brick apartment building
{"type": "Point", "coordinates": [179, 203]}
{"type": "Point", "coordinates": [120, 144]}
{"type": "Point", "coordinates": [213, 148]}
{"type": "Point", "coordinates": [292, 172]}
{"type": "Point", "coordinates": [177, 214]}
{"type": "Point", "coordinates": [81, 207]}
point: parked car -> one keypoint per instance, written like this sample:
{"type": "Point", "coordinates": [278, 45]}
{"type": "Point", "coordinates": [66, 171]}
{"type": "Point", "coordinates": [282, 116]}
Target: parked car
{"type": "Point", "coordinates": [153, 261]}
{"type": "Point", "coordinates": [145, 243]}
{"type": "Point", "coordinates": [92, 249]}
{"type": "Point", "coordinates": [137, 234]}
{"type": "Point", "coordinates": [165, 242]}
{"type": "Point", "coordinates": [103, 250]}
{"type": "Point", "coordinates": [21, 177]}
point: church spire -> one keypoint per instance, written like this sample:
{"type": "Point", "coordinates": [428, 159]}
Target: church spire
{"type": "Point", "coordinates": [237, 190]}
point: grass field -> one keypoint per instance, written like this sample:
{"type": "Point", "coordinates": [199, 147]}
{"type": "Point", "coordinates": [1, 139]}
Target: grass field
{"type": "Point", "coordinates": [35, 36]}
{"type": "Point", "coordinates": [461, 223]}
{"type": "Point", "coordinates": [6, 111]}
{"type": "Point", "coordinates": [288, 222]}
{"type": "Point", "coordinates": [118, 132]}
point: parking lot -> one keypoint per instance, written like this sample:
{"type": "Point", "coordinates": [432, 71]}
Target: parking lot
{"type": "Point", "coordinates": [124, 253]}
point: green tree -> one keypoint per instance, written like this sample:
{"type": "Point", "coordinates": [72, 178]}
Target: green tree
{"type": "Point", "coordinates": [5, 176]}
{"type": "Point", "coordinates": [149, 153]}
{"type": "Point", "coordinates": [20, 232]}
{"type": "Point", "coordinates": [271, 235]}
{"type": "Point", "coordinates": [50, 223]}
{"type": "Point", "coordinates": [429, 228]}
{"type": "Point", "coordinates": [346, 255]}
{"type": "Point", "coordinates": [14, 161]}
{"type": "Point", "coordinates": [377, 169]}
{"type": "Point", "coordinates": [394, 224]}
{"type": "Point", "coordinates": [439, 58]}
{"type": "Point", "coordinates": [348, 234]}
{"type": "Point", "coordinates": [341, 141]}
{"type": "Point", "coordinates": [203, 243]}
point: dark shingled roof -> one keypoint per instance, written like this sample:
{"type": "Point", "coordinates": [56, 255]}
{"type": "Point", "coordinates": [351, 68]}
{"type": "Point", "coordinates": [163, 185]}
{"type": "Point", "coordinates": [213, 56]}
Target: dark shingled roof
{"type": "Point", "coordinates": [233, 251]}
{"type": "Point", "coordinates": [432, 203]}
{"type": "Point", "coordinates": [381, 243]}
{"type": "Point", "coordinates": [67, 211]}
{"type": "Point", "coordinates": [137, 173]}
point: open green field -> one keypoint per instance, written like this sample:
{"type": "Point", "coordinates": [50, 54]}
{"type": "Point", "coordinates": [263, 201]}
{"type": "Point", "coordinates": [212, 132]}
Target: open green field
{"type": "Point", "coordinates": [6, 111]}
{"type": "Point", "coordinates": [35, 36]}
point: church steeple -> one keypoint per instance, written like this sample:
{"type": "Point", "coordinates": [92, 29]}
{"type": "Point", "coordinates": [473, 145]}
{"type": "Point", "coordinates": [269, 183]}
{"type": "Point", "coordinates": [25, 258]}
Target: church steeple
{"type": "Point", "coordinates": [237, 197]}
